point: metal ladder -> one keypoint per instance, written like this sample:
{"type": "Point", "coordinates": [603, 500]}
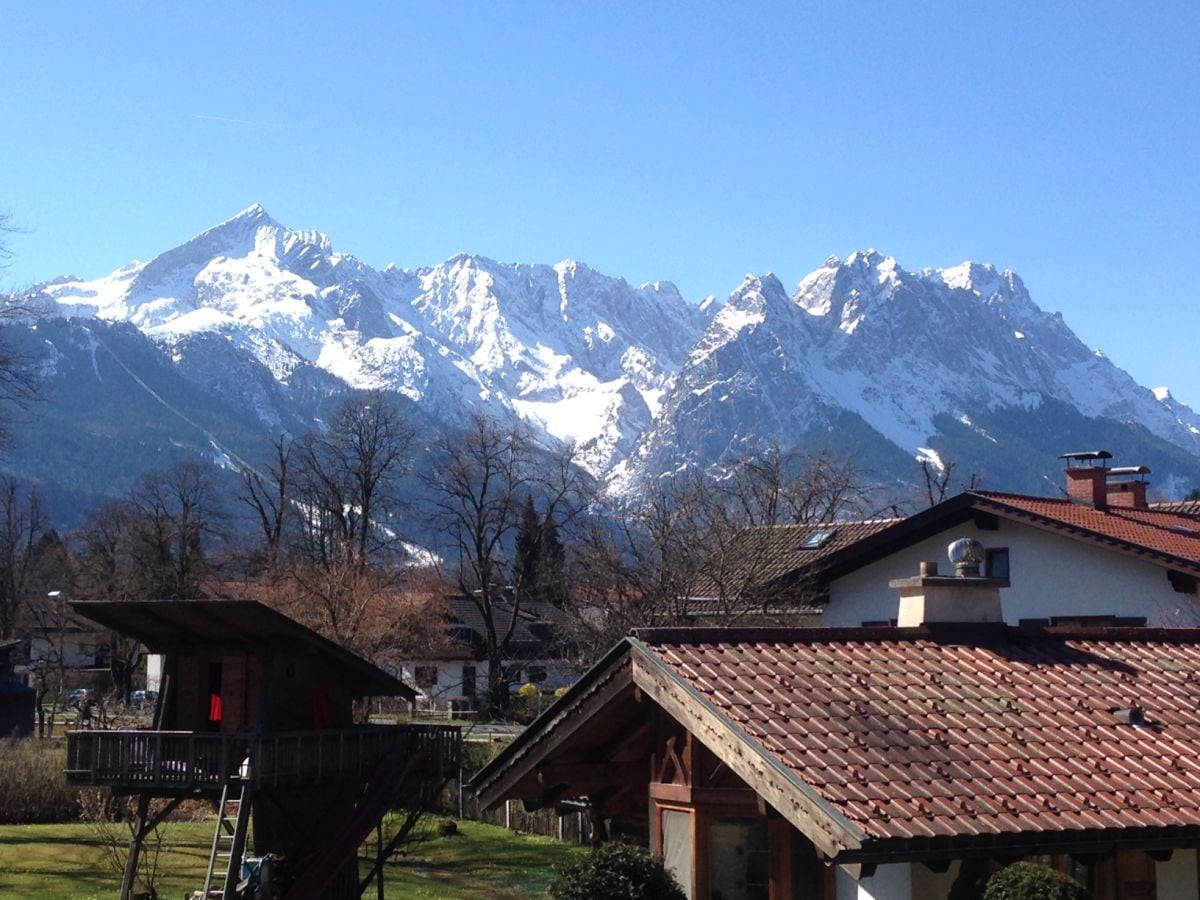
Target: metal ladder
{"type": "Point", "coordinates": [229, 839]}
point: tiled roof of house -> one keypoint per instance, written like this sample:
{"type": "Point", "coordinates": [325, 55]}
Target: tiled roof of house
{"type": "Point", "coordinates": [1172, 537]}
{"type": "Point", "coordinates": [758, 556]}
{"type": "Point", "coordinates": [1186, 507]}
{"type": "Point", "coordinates": [533, 629]}
{"type": "Point", "coordinates": [919, 735]}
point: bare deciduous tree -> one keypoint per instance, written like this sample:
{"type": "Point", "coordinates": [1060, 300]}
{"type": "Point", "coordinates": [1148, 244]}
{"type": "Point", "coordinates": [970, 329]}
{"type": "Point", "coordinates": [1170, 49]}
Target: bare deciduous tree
{"type": "Point", "coordinates": [19, 385]}
{"type": "Point", "coordinates": [345, 482]}
{"type": "Point", "coordinates": [479, 481]}
{"type": "Point", "coordinates": [22, 523]}
{"type": "Point", "coordinates": [175, 512]}
{"type": "Point", "coordinates": [268, 494]}
{"type": "Point", "coordinates": [704, 548]}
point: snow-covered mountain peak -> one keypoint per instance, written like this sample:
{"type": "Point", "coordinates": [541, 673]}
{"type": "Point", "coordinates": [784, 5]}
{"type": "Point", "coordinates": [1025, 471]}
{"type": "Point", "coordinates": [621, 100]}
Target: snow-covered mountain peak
{"type": "Point", "coordinates": [864, 259]}
{"type": "Point", "coordinates": [757, 299]}
{"type": "Point", "coordinates": [756, 291]}
{"type": "Point", "coordinates": [845, 292]}
{"type": "Point", "coordinates": [254, 213]}
{"type": "Point", "coordinates": [992, 286]}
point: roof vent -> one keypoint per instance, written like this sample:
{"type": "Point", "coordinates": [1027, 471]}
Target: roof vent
{"type": "Point", "coordinates": [961, 598]}
{"type": "Point", "coordinates": [1130, 715]}
{"type": "Point", "coordinates": [967, 555]}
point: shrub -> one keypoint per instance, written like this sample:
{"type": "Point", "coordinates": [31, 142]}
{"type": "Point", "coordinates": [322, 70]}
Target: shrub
{"type": "Point", "coordinates": [1030, 881]}
{"type": "Point", "coordinates": [32, 785]}
{"type": "Point", "coordinates": [615, 871]}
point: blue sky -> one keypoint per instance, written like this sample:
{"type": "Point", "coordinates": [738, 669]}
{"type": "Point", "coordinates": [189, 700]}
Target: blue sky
{"type": "Point", "coordinates": [692, 142]}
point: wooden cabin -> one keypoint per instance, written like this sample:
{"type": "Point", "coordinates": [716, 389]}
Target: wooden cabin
{"type": "Point", "coordinates": [256, 713]}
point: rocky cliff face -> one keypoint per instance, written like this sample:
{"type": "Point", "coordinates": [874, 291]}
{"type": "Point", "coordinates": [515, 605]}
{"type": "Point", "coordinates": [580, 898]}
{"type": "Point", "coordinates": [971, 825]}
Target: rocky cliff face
{"type": "Point", "coordinates": [265, 326]}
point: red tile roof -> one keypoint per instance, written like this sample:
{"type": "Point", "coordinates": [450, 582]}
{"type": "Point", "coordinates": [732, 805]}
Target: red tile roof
{"type": "Point", "coordinates": [1171, 537]}
{"type": "Point", "coordinates": [914, 737]}
{"type": "Point", "coordinates": [1187, 507]}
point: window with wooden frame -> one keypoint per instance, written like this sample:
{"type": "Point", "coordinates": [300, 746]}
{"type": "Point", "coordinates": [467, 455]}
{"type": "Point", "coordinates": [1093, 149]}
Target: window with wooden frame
{"type": "Point", "coordinates": [995, 563]}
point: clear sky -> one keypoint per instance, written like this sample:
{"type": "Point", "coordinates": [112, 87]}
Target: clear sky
{"type": "Point", "coordinates": [692, 142]}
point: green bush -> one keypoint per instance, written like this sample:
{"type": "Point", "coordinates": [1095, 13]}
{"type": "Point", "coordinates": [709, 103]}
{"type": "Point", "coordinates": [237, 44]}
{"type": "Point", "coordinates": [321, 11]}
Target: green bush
{"type": "Point", "coordinates": [32, 785]}
{"type": "Point", "coordinates": [1030, 881]}
{"type": "Point", "coordinates": [615, 871]}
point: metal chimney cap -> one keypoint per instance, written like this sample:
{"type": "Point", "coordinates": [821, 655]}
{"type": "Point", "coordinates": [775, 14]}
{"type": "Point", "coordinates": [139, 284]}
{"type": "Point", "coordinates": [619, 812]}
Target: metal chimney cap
{"type": "Point", "coordinates": [1089, 456]}
{"type": "Point", "coordinates": [967, 555]}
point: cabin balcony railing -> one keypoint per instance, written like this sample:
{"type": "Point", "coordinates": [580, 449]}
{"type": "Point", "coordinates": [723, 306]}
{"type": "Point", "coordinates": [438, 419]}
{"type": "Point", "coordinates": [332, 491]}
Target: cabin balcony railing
{"type": "Point", "coordinates": [185, 761]}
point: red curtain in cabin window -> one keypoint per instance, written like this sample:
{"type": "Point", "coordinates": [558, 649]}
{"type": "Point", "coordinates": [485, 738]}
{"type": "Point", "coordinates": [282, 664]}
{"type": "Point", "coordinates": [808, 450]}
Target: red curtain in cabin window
{"type": "Point", "coordinates": [322, 710]}
{"type": "Point", "coordinates": [214, 707]}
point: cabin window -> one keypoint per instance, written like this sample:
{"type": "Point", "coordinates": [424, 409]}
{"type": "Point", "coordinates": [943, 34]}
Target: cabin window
{"type": "Point", "coordinates": [1182, 583]}
{"type": "Point", "coordinates": [996, 562]}
{"type": "Point", "coordinates": [216, 706]}
{"type": "Point", "coordinates": [677, 846]}
{"type": "Point", "coordinates": [468, 681]}
{"type": "Point", "coordinates": [426, 676]}
{"type": "Point", "coordinates": [739, 859]}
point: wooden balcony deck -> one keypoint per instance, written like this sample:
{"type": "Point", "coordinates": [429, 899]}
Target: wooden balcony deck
{"type": "Point", "coordinates": [177, 762]}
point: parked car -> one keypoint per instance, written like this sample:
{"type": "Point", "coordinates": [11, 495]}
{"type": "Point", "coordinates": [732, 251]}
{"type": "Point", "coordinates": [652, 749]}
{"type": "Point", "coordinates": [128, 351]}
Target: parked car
{"type": "Point", "coordinates": [142, 699]}
{"type": "Point", "coordinates": [79, 697]}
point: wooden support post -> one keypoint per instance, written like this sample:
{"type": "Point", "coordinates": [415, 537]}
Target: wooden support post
{"type": "Point", "coordinates": [379, 860]}
{"type": "Point", "coordinates": [135, 848]}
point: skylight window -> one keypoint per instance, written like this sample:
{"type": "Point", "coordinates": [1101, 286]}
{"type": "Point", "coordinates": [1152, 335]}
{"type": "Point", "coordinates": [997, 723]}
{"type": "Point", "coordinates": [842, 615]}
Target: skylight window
{"type": "Point", "coordinates": [818, 538]}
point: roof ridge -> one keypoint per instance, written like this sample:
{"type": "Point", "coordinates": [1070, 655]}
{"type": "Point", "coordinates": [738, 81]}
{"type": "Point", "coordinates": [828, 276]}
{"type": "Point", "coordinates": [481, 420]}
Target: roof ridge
{"type": "Point", "coordinates": [784, 634]}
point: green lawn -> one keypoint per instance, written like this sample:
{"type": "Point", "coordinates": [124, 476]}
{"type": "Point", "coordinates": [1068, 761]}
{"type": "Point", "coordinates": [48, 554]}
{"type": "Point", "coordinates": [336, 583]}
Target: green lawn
{"type": "Point", "coordinates": [66, 862]}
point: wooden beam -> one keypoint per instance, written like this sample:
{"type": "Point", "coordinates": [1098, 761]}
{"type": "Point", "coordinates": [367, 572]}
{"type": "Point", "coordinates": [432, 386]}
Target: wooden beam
{"type": "Point", "coordinates": [135, 848]}
{"type": "Point", "coordinates": [581, 775]}
{"type": "Point", "coordinates": [552, 735]}
{"type": "Point", "coordinates": [742, 800]}
{"type": "Point", "coordinates": [798, 804]}
{"type": "Point", "coordinates": [779, 837]}
{"type": "Point", "coordinates": [624, 741]}
{"type": "Point", "coordinates": [859, 871]}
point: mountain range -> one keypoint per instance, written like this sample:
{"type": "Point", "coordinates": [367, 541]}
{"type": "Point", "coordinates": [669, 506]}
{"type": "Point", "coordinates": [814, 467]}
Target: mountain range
{"type": "Point", "coordinates": [252, 328]}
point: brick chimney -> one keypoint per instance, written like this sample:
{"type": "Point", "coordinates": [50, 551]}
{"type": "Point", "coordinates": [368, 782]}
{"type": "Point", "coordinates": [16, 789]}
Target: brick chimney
{"type": "Point", "coordinates": [964, 597]}
{"type": "Point", "coordinates": [1088, 484]}
{"type": "Point", "coordinates": [1101, 487]}
{"type": "Point", "coordinates": [1127, 494]}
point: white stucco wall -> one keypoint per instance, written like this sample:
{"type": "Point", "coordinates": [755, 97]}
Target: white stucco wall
{"type": "Point", "coordinates": [449, 678]}
{"type": "Point", "coordinates": [1177, 878]}
{"type": "Point", "coordinates": [891, 882]}
{"type": "Point", "coordinates": [930, 885]}
{"type": "Point", "coordinates": [154, 671]}
{"type": "Point", "coordinates": [1050, 575]}
{"type": "Point", "coordinates": [77, 651]}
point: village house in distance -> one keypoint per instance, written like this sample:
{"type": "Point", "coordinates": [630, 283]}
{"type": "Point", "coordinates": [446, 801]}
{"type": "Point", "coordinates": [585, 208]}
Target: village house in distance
{"type": "Point", "coordinates": [886, 763]}
{"type": "Point", "coordinates": [1100, 549]}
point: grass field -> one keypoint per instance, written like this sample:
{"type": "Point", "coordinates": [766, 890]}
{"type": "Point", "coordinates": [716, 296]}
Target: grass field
{"type": "Point", "coordinates": [67, 862]}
